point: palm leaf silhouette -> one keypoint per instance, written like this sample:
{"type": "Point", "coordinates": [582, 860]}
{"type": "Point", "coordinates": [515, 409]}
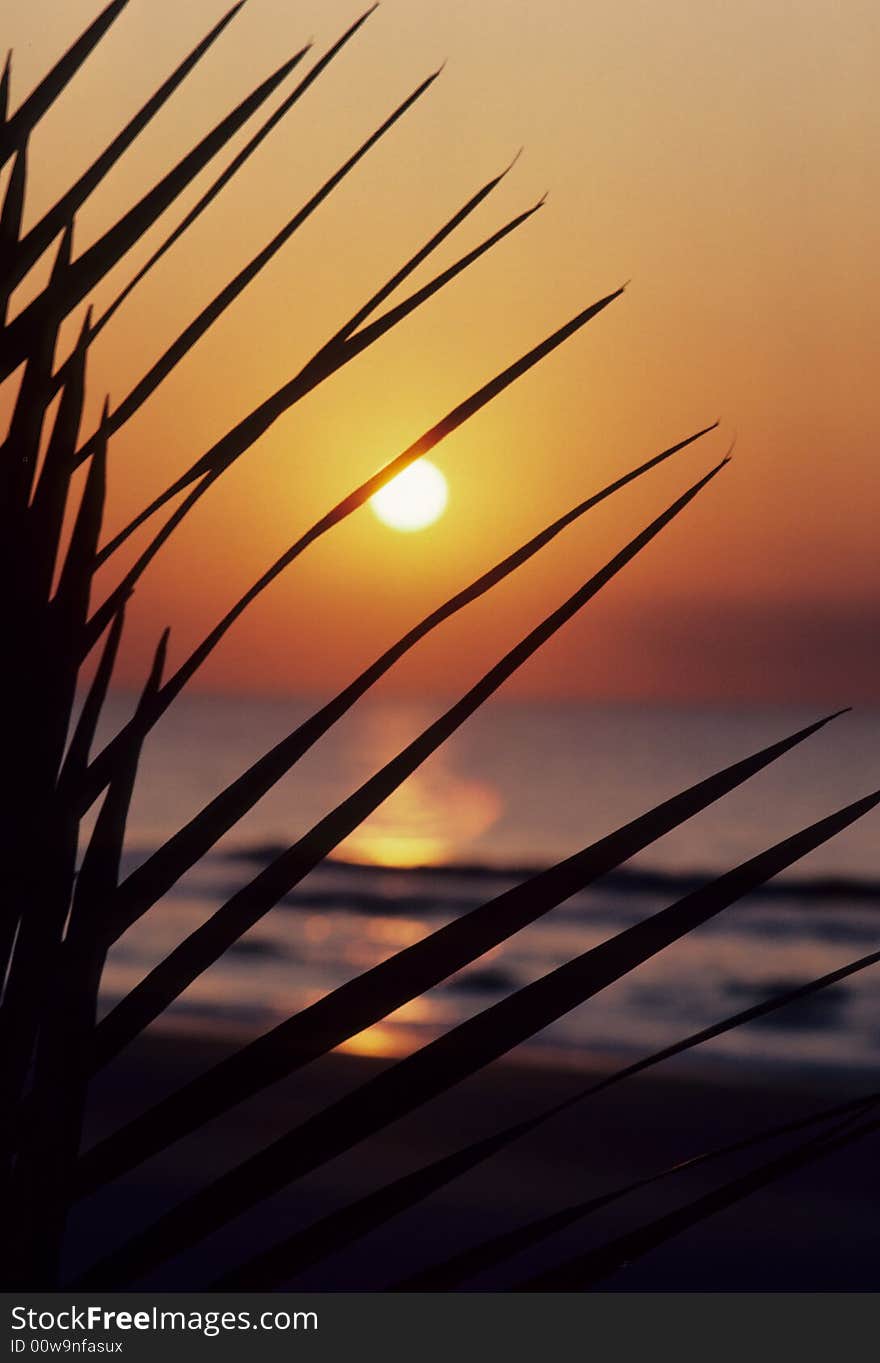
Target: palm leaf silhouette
{"type": "Point", "coordinates": [452, 1057]}
{"type": "Point", "coordinates": [301, 1250]}
{"type": "Point", "coordinates": [586, 1270]}
{"type": "Point", "coordinates": [373, 995]}
{"type": "Point", "coordinates": [67, 900]}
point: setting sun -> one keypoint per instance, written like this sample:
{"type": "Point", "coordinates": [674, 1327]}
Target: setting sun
{"type": "Point", "coordinates": [414, 499]}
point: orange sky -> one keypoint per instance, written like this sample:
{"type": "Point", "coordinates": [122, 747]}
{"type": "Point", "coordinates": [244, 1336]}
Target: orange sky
{"type": "Point", "coordinates": [722, 157]}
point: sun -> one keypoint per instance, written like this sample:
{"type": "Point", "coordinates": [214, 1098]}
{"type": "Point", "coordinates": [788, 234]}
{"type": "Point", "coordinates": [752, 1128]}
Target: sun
{"type": "Point", "coordinates": [414, 499]}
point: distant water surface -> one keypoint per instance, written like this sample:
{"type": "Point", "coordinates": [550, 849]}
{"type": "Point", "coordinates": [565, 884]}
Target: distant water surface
{"type": "Point", "coordinates": [520, 786]}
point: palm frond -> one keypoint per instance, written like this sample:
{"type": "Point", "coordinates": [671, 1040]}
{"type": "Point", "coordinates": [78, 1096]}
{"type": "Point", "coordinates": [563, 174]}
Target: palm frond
{"type": "Point", "coordinates": [52, 1118]}
{"type": "Point", "coordinates": [19, 451]}
{"type": "Point", "coordinates": [235, 165]}
{"type": "Point", "coordinates": [15, 130]}
{"type": "Point", "coordinates": [449, 1059]}
{"type": "Point", "coordinates": [298, 1251]}
{"type": "Point", "coordinates": [62, 911]}
{"type": "Point", "coordinates": [77, 756]}
{"type": "Point", "coordinates": [206, 944]}
{"type": "Point", "coordinates": [584, 1271]}
{"type": "Point", "coordinates": [100, 258]}
{"type": "Point", "coordinates": [232, 445]}
{"type": "Point", "coordinates": [220, 815]}
{"type": "Point", "coordinates": [4, 89]}
{"type": "Point", "coordinates": [45, 518]}
{"type": "Point", "coordinates": [193, 333]}
{"type": "Point", "coordinates": [10, 226]}
{"type": "Point", "coordinates": [280, 1263]}
{"type": "Point", "coordinates": [32, 246]}
{"type": "Point", "coordinates": [338, 351]}
{"type": "Point", "coordinates": [373, 995]}
{"type": "Point", "coordinates": [331, 357]}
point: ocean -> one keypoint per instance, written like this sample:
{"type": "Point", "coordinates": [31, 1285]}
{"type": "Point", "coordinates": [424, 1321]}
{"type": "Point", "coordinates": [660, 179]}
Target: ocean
{"type": "Point", "coordinates": [520, 786]}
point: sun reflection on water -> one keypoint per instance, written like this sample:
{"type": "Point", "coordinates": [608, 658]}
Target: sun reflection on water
{"type": "Point", "coordinates": [431, 817]}
{"type": "Point", "coordinates": [402, 850]}
{"type": "Point", "coordinates": [377, 1040]}
{"type": "Point", "coordinates": [424, 823]}
{"type": "Point", "coordinates": [395, 1035]}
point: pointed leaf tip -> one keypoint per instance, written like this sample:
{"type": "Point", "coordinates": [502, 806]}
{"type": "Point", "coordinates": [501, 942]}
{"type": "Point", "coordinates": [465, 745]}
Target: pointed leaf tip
{"type": "Point", "coordinates": [707, 477]}
{"type": "Point", "coordinates": [827, 719]}
{"type": "Point", "coordinates": [154, 681]}
{"type": "Point", "coordinates": [65, 250]}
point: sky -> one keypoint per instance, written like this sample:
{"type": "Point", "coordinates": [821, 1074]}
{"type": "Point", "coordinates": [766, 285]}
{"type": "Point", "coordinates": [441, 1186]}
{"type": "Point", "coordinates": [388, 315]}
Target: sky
{"type": "Point", "coordinates": [720, 158]}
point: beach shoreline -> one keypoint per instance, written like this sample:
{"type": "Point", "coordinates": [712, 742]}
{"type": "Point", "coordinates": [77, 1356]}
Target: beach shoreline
{"type": "Point", "coordinates": [813, 1231]}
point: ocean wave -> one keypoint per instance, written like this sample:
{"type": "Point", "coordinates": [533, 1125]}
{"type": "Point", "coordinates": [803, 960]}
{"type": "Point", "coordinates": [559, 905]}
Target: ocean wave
{"type": "Point", "coordinates": [631, 880]}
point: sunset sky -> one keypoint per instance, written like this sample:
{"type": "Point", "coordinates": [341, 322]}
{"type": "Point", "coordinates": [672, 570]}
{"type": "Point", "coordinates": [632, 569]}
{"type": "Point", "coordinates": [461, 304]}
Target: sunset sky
{"type": "Point", "coordinates": [721, 157]}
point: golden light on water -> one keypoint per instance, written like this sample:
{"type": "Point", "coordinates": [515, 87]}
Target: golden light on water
{"type": "Point", "coordinates": [396, 1035]}
{"type": "Point", "coordinates": [434, 816]}
{"type": "Point", "coordinates": [414, 499]}
{"type": "Point", "coordinates": [425, 822]}
{"type": "Point", "coordinates": [402, 850]}
{"type": "Point", "coordinates": [376, 1040]}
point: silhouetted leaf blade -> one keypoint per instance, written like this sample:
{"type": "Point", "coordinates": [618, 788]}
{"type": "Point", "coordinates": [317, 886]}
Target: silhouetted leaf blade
{"type": "Point", "coordinates": [412, 264]}
{"type": "Point", "coordinates": [17, 127]}
{"type": "Point", "coordinates": [79, 562]}
{"type": "Point", "coordinates": [10, 226]}
{"type": "Point", "coordinates": [19, 451]}
{"type": "Point", "coordinates": [4, 89]}
{"type": "Point", "coordinates": [77, 756]}
{"type": "Point", "coordinates": [53, 1114]}
{"type": "Point", "coordinates": [99, 873]}
{"type": "Point", "coordinates": [45, 518]}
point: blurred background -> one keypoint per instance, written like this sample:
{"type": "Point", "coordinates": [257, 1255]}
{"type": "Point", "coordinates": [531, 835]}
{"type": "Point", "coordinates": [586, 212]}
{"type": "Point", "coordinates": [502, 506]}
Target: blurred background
{"type": "Point", "coordinates": [723, 159]}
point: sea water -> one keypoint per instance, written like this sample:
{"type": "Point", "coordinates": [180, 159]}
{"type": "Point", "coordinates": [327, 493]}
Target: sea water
{"type": "Point", "coordinates": [520, 786]}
